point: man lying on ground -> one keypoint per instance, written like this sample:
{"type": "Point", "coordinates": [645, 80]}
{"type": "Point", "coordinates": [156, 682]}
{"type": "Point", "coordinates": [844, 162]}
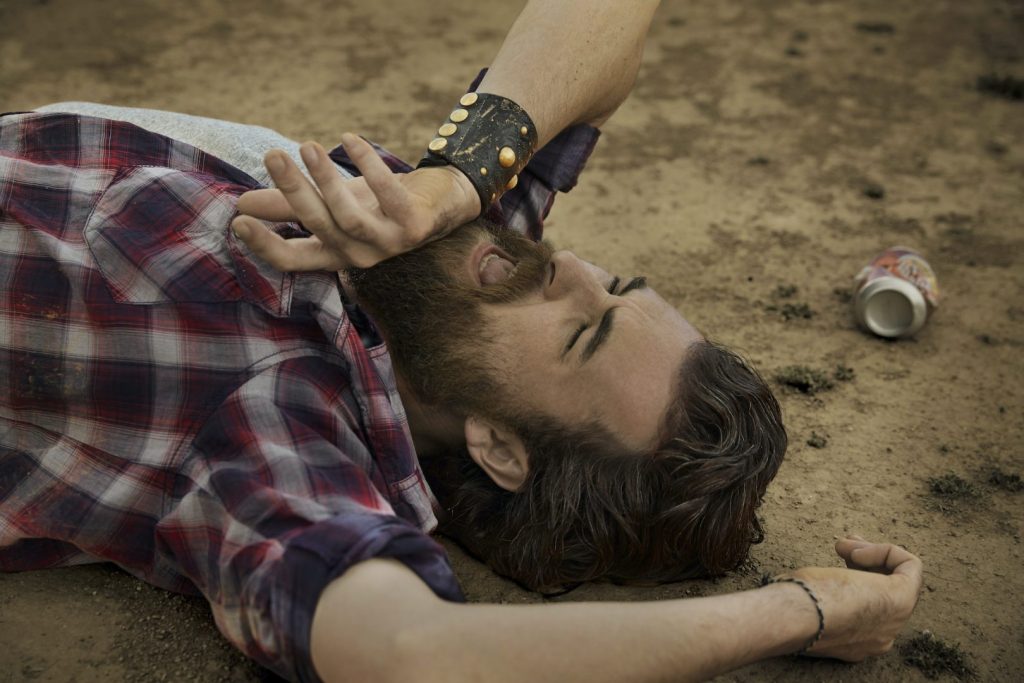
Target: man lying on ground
{"type": "Point", "coordinates": [173, 403]}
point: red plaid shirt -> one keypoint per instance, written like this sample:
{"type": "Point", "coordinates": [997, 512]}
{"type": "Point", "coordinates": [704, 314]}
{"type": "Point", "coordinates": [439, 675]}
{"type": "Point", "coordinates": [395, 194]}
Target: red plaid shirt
{"type": "Point", "coordinates": [176, 406]}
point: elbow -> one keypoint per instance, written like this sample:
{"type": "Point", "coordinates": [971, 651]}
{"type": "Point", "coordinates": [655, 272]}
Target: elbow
{"type": "Point", "coordinates": [377, 622]}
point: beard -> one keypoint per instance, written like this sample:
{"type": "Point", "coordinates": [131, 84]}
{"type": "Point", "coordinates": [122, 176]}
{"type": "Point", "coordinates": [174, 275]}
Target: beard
{"type": "Point", "coordinates": [432, 317]}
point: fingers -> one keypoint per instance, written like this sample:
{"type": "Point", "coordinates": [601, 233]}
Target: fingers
{"type": "Point", "coordinates": [285, 255]}
{"type": "Point", "coordinates": [354, 222]}
{"type": "Point", "coordinates": [861, 554]}
{"type": "Point", "coordinates": [349, 218]}
{"type": "Point", "coordinates": [393, 198]}
{"type": "Point", "coordinates": [268, 204]}
{"type": "Point", "coordinates": [304, 199]}
{"type": "Point", "coordinates": [909, 565]}
{"type": "Point", "coordinates": [879, 557]}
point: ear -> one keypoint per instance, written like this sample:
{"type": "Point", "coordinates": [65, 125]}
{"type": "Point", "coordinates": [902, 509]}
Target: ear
{"type": "Point", "coordinates": [498, 451]}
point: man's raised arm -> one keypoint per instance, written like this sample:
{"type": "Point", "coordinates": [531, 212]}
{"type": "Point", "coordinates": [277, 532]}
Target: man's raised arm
{"type": "Point", "coordinates": [563, 61]}
{"type": "Point", "coordinates": [571, 61]}
{"type": "Point", "coordinates": [380, 622]}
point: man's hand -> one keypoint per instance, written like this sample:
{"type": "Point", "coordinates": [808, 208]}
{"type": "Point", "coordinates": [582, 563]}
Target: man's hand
{"type": "Point", "coordinates": [355, 222]}
{"type": "Point", "coordinates": [864, 610]}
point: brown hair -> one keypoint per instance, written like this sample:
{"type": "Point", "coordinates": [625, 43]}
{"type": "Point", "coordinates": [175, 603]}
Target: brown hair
{"type": "Point", "coordinates": [590, 510]}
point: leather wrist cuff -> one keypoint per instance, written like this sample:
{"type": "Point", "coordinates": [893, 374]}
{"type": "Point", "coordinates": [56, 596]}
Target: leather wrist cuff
{"type": "Point", "coordinates": [490, 139]}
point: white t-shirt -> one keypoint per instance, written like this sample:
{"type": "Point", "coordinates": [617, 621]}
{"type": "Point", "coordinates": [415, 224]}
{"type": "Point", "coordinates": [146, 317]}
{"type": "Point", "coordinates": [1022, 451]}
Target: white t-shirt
{"type": "Point", "coordinates": [241, 145]}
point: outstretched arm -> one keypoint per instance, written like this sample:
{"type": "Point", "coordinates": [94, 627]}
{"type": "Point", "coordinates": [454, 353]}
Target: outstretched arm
{"type": "Point", "coordinates": [563, 61]}
{"type": "Point", "coordinates": [380, 622]}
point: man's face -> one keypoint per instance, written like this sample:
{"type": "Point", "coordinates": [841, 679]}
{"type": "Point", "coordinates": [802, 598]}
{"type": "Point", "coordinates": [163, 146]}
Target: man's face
{"type": "Point", "coordinates": [491, 323]}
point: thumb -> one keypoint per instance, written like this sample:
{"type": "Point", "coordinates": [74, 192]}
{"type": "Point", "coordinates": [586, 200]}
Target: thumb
{"type": "Point", "coordinates": [845, 547]}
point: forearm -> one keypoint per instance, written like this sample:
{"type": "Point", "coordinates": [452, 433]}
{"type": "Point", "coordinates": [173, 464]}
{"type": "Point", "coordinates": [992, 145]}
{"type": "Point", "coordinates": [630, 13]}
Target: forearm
{"type": "Point", "coordinates": [570, 61]}
{"type": "Point", "coordinates": [673, 640]}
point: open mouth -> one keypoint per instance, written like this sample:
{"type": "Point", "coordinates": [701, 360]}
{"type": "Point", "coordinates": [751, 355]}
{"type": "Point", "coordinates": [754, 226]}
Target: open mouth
{"type": "Point", "coordinates": [491, 265]}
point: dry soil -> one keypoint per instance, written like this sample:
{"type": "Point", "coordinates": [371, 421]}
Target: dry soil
{"type": "Point", "coordinates": [768, 147]}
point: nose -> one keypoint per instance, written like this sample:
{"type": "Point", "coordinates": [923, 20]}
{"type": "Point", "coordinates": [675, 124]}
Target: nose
{"type": "Point", "coordinates": [571, 277]}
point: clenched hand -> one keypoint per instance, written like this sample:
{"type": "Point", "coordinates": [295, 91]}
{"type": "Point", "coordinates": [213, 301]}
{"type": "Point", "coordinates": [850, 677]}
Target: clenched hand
{"type": "Point", "coordinates": [864, 609]}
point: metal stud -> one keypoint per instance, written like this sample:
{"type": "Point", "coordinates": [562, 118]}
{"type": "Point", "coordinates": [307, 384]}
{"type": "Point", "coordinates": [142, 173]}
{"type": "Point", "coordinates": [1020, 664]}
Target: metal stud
{"type": "Point", "coordinates": [459, 115]}
{"type": "Point", "coordinates": [468, 100]}
{"type": "Point", "coordinates": [524, 131]}
{"type": "Point", "coordinates": [512, 182]}
{"type": "Point", "coordinates": [447, 129]}
{"type": "Point", "coordinates": [506, 157]}
{"type": "Point", "coordinates": [483, 170]}
{"type": "Point", "coordinates": [437, 144]}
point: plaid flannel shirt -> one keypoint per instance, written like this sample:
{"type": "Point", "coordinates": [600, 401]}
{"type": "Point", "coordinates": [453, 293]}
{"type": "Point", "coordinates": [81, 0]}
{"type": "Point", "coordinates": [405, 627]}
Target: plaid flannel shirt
{"type": "Point", "coordinates": [170, 403]}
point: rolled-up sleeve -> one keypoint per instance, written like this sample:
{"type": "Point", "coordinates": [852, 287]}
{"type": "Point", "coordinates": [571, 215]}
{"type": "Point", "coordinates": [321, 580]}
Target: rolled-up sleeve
{"type": "Point", "coordinates": [556, 167]}
{"type": "Point", "coordinates": [277, 599]}
{"type": "Point", "coordinates": [279, 501]}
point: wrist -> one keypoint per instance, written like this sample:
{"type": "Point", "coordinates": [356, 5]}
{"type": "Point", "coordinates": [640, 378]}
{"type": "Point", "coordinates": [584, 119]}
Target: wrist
{"type": "Point", "coordinates": [489, 139]}
{"type": "Point", "coordinates": [797, 618]}
{"type": "Point", "coordinates": [466, 205]}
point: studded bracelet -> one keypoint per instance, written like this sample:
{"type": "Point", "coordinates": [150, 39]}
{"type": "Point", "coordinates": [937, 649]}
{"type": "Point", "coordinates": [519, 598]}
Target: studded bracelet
{"type": "Point", "coordinates": [490, 139]}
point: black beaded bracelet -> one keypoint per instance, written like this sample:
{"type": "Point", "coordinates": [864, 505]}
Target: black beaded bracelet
{"type": "Point", "coordinates": [766, 580]}
{"type": "Point", "coordinates": [490, 139]}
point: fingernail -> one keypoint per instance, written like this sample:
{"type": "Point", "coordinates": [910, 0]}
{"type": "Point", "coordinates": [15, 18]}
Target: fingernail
{"type": "Point", "coordinates": [274, 163]}
{"type": "Point", "coordinates": [239, 230]}
{"type": "Point", "coordinates": [309, 155]}
{"type": "Point", "coordinates": [348, 139]}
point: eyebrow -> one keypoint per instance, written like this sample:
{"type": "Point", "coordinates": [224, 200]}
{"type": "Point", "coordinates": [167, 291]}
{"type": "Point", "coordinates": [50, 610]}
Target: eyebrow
{"type": "Point", "coordinates": [604, 328]}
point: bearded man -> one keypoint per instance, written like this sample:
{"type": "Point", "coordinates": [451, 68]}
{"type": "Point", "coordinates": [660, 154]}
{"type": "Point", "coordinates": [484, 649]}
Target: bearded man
{"type": "Point", "coordinates": [171, 402]}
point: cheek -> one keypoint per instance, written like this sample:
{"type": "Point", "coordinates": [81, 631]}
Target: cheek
{"type": "Point", "coordinates": [524, 341]}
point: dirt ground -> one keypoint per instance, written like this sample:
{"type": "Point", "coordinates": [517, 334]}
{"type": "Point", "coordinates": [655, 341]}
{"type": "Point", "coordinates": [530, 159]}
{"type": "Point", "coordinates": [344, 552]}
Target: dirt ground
{"type": "Point", "coordinates": [767, 146]}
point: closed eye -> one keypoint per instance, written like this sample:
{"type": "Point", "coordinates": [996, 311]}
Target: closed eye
{"type": "Point", "coordinates": [583, 328]}
{"type": "Point", "coordinates": [635, 283]}
{"type": "Point", "coordinates": [604, 328]}
{"type": "Point", "coordinates": [574, 338]}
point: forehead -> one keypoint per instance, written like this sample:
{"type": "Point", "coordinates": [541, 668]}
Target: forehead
{"type": "Point", "coordinates": [626, 387]}
{"type": "Point", "coordinates": [638, 378]}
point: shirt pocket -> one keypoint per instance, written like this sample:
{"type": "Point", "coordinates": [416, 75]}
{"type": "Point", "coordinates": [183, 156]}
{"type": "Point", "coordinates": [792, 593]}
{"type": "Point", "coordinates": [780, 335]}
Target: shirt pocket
{"type": "Point", "coordinates": [161, 235]}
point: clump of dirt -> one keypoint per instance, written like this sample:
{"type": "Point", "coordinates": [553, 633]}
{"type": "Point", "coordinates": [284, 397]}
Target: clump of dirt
{"type": "Point", "coordinates": [952, 495]}
{"type": "Point", "coordinates": [952, 487]}
{"type": "Point", "coordinates": [844, 373]}
{"type": "Point", "coordinates": [804, 379]}
{"type": "Point", "coordinates": [1007, 481]}
{"type": "Point", "coordinates": [875, 27]}
{"type": "Point", "coordinates": [843, 294]}
{"type": "Point", "coordinates": [935, 658]}
{"type": "Point", "coordinates": [1007, 87]}
{"type": "Point", "coordinates": [790, 310]}
{"type": "Point", "coordinates": [817, 440]}
{"type": "Point", "coordinates": [996, 148]}
{"type": "Point", "coordinates": [796, 312]}
{"type": "Point", "coordinates": [873, 191]}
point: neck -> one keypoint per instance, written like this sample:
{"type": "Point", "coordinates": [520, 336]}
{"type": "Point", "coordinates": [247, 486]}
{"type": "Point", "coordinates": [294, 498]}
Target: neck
{"type": "Point", "coordinates": [433, 430]}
